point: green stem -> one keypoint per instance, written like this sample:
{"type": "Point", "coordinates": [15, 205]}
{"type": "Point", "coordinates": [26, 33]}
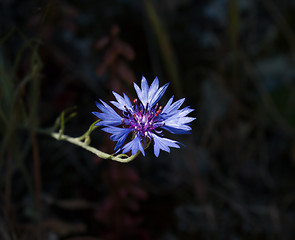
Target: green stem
{"type": "Point", "coordinates": [58, 136]}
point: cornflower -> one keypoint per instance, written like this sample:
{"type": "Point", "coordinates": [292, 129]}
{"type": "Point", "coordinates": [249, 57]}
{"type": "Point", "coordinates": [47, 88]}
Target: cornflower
{"type": "Point", "coordinates": [144, 119]}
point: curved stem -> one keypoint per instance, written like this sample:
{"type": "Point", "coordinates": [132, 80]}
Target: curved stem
{"type": "Point", "coordinates": [83, 144]}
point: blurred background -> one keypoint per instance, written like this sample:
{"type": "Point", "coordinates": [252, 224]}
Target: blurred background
{"type": "Point", "coordinates": [232, 60]}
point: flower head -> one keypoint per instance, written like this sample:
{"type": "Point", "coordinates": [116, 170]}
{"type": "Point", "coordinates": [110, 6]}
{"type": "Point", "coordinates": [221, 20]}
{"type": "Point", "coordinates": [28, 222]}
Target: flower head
{"type": "Point", "coordinates": [144, 119]}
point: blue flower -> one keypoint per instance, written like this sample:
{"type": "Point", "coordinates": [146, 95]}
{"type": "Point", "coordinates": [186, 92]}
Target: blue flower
{"type": "Point", "coordinates": [144, 119]}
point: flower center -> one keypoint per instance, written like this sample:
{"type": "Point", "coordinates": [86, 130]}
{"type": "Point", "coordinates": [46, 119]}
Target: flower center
{"type": "Point", "coordinates": [142, 121]}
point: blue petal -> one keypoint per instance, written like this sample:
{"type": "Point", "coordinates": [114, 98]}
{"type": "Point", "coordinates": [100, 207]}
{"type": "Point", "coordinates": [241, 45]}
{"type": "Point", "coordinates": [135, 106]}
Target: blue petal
{"type": "Point", "coordinates": [118, 134]}
{"type": "Point", "coordinates": [139, 94]}
{"type": "Point", "coordinates": [127, 100]}
{"type": "Point", "coordinates": [122, 102]}
{"type": "Point", "coordinates": [168, 104]}
{"type": "Point", "coordinates": [117, 105]}
{"type": "Point", "coordinates": [181, 129]}
{"type": "Point", "coordinates": [108, 115]}
{"type": "Point", "coordinates": [171, 109]}
{"type": "Point", "coordinates": [178, 125]}
{"type": "Point", "coordinates": [185, 111]}
{"type": "Point", "coordinates": [177, 104]}
{"type": "Point", "coordinates": [163, 144]}
{"type": "Point", "coordinates": [108, 108]}
{"type": "Point", "coordinates": [179, 117]}
{"type": "Point", "coordinates": [150, 95]}
{"type": "Point", "coordinates": [158, 95]}
{"type": "Point", "coordinates": [176, 120]}
{"type": "Point", "coordinates": [144, 90]}
{"type": "Point", "coordinates": [153, 89]}
{"type": "Point", "coordinates": [135, 146]}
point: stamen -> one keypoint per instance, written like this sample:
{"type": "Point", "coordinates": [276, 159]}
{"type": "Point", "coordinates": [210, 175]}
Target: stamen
{"type": "Point", "coordinates": [135, 100]}
{"type": "Point", "coordinates": [159, 111]}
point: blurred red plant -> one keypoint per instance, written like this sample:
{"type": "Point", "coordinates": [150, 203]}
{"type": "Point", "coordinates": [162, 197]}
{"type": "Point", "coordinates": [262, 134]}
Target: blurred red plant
{"type": "Point", "coordinates": [120, 210]}
{"type": "Point", "coordinates": [116, 52]}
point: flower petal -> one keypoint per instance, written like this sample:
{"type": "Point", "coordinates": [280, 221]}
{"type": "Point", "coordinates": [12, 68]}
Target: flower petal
{"type": "Point", "coordinates": [139, 94]}
{"type": "Point", "coordinates": [177, 129]}
{"type": "Point", "coordinates": [176, 120]}
{"type": "Point", "coordinates": [150, 95]}
{"type": "Point", "coordinates": [171, 109]}
{"type": "Point", "coordinates": [122, 103]}
{"type": "Point", "coordinates": [134, 146]}
{"type": "Point", "coordinates": [163, 144]}
{"type": "Point", "coordinates": [158, 95]}
{"type": "Point", "coordinates": [168, 105]}
{"type": "Point", "coordinates": [144, 90]}
{"type": "Point", "coordinates": [153, 89]}
{"type": "Point", "coordinates": [127, 100]}
{"type": "Point", "coordinates": [108, 115]}
{"type": "Point", "coordinates": [118, 134]}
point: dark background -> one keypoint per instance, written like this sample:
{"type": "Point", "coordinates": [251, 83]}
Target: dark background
{"type": "Point", "coordinates": [232, 60]}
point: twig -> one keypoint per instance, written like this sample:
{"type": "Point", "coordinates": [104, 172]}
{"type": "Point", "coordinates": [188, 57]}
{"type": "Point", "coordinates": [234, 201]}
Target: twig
{"type": "Point", "coordinates": [84, 144]}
